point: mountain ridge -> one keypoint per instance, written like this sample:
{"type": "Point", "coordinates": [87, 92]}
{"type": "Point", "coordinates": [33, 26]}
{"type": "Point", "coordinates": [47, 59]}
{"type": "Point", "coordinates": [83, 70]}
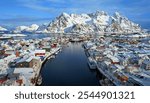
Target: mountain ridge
{"type": "Point", "coordinates": [99, 21]}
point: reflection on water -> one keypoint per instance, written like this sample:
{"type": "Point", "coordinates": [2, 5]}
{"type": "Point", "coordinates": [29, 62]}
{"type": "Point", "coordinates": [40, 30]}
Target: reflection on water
{"type": "Point", "coordinates": [69, 68]}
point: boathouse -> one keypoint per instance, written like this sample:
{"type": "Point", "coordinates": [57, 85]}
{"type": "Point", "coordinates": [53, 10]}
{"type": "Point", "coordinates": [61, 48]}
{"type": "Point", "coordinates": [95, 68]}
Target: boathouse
{"type": "Point", "coordinates": [40, 53]}
{"type": "Point", "coordinates": [9, 52]}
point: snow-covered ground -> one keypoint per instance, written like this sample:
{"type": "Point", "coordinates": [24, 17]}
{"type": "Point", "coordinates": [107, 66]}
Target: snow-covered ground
{"type": "Point", "coordinates": [3, 29]}
{"type": "Point", "coordinates": [14, 35]}
{"type": "Point", "coordinates": [32, 28]}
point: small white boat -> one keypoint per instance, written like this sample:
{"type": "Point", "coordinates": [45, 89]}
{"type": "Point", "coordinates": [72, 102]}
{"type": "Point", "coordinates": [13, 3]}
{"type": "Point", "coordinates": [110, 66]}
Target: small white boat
{"type": "Point", "coordinates": [91, 63]}
{"type": "Point", "coordinates": [49, 58]}
{"type": "Point", "coordinates": [53, 56]}
{"type": "Point", "coordinates": [56, 52]}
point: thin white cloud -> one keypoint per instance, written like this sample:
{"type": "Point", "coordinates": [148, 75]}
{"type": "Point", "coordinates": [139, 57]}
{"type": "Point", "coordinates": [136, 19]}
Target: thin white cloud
{"type": "Point", "coordinates": [81, 6]}
{"type": "Point", "coordinates": [136, 10]}
{"type": "Point", "coordinates": [38, 7]}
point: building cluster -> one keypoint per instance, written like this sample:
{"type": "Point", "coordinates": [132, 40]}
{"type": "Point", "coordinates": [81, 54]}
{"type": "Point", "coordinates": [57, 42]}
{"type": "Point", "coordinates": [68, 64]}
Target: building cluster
{"type": "Point", "coordinates": [123, 60]}
{"type": "Point", "coordinates": [21, 60]}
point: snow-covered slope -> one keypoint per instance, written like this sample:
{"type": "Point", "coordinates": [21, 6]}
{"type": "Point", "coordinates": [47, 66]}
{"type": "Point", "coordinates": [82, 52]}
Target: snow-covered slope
{"type": "Point", "coordinates": [61, 23]}
{"type": "Point", "coordinates": [31, 28]}
{"type": "Point", "coordinates": [19, 29]}
{"type": "Point", "coordinates": [99, 21]}
{"type": "Point", "coordinates": [3, 29]}
{"type": "Point", "coordinates": [42, 29]}
{"type": "Point", "coordinates": [123, 24]}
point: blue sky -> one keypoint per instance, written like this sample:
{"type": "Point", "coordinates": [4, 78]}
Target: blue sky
{"type": "Point", "coordinates": [26, 12]}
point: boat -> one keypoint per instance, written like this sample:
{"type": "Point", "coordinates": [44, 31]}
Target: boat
{"type": "Point", "coordinates": [51, 57]}
{"type": "Point", "coordinates": [91, 63]}
{"type": "Point", "coordinates": [75, 40]}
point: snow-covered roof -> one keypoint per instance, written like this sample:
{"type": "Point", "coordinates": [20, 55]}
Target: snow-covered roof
{"type": "Point", "coordinates": [23, 70]}
{"type": "Point", "coordinates": [119, 66]}
{"type": "Point", "coordinates": [40, 51]}
{"type": "Point", "coordinates": [146, 61]}
{"type": "Point", "coordinates": [113, 58]}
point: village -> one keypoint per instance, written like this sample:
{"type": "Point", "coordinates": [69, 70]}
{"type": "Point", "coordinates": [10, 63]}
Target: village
{"type": "Point", "coordinates": [123, 60]}
{"type": "Point", "coordinates": [21, 60]}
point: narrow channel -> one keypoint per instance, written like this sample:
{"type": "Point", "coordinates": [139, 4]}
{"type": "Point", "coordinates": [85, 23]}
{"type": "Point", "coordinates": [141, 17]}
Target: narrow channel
{"type": "Point", "coordinates": [69, 68]}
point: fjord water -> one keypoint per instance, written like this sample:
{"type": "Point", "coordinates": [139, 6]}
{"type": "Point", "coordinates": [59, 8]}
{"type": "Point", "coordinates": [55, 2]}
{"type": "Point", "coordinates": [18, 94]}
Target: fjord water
{"type": "Point", "coordinates": [69, 68]}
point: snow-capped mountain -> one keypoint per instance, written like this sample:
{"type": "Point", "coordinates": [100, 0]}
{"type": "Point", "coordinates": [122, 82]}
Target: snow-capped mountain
{"type": "Point", "coordinates": [3, 29]}
{"type": "Point", "coordinates": [32, 28]}
{"type": "Point", "coordinates": [61, 23]}
{"type": "Point", "coordinates": [19, 29]}
{"type": "Point", "coordinates": [121, 23]}
{"type": "Point", "coordinates": [42, 28]}
{"type": "Point", "coordinates": [68, 23]}
{"type": "Point", "coordinates": [99, 21]}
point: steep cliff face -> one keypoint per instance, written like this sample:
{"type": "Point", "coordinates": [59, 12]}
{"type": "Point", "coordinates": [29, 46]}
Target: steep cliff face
{"type": "Point", "coordinates": [60, 23]}
{"type": "Point", "coordinates": [99, 21]}
{"type": "Point", "coordinates": [123, 24]}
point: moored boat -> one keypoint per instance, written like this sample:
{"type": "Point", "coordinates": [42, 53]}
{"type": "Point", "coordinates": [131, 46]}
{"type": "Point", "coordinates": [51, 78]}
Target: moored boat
{"type": "Point", "coordinates": [91, 63]}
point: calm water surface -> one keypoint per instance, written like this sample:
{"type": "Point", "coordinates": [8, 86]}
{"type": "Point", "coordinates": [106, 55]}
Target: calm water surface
{"type": "Point", "coordinates": [69, 68]}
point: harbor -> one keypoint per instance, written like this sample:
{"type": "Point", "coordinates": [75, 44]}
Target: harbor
{"type": "Point", "coordinates": [75, 60]}
{"type": "Point", "coordinates": [22, 60]}
{"type": "Point", "coordinates": [69, 68]}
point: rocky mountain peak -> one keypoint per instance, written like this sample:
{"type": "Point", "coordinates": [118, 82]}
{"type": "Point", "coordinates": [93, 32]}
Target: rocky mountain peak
{"type": "Point", "coordinates": [99, 21]}
{"type": "Point", "coordinates": [117, 15]}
